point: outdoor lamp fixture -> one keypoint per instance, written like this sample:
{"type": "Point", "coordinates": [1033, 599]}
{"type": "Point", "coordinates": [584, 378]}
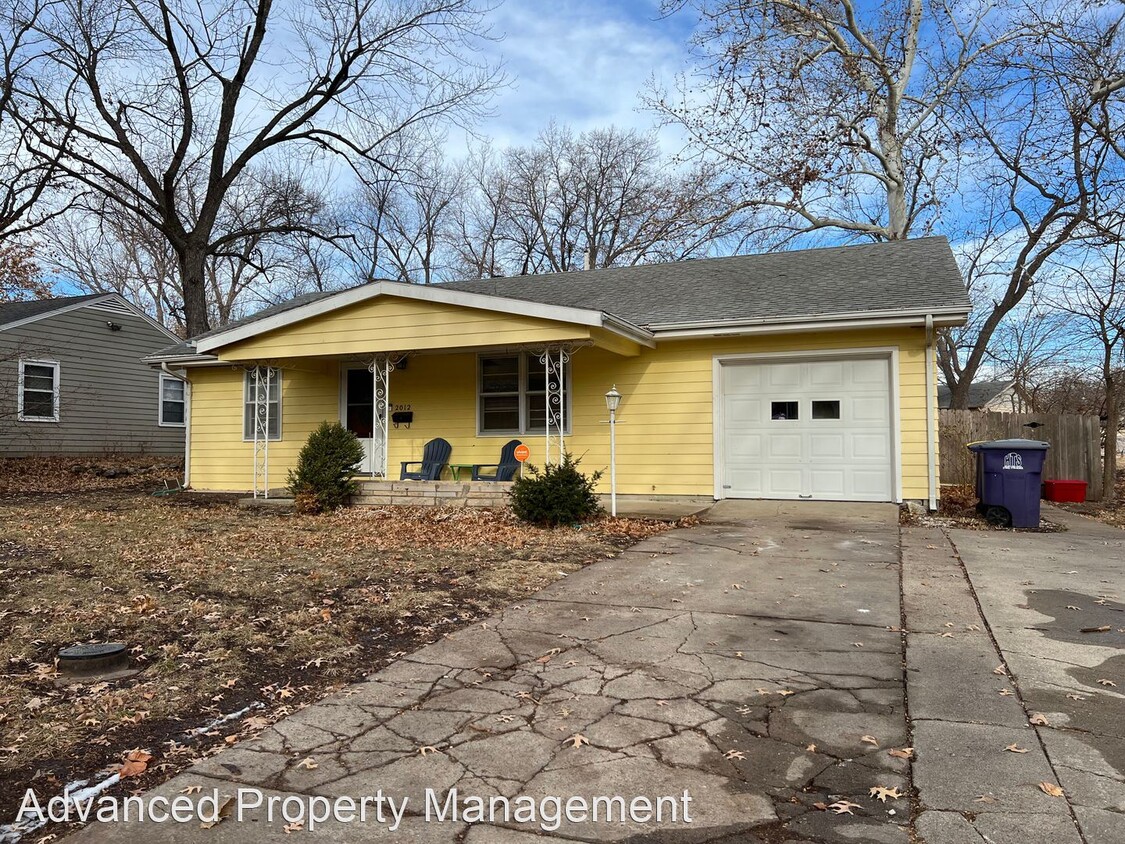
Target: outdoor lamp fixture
{"type": "Point", "coordinates": [612, 401]}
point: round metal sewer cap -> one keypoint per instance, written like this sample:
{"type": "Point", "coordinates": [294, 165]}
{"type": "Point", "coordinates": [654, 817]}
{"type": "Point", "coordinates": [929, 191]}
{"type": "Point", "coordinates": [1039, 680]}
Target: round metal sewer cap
{"type": "Point", "coordinates": [93, 659]}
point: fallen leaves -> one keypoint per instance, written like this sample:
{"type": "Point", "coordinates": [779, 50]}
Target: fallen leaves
{"type": "Point", "coordinates": [882, 793]}
{"type": "Point", "coordinates": [1038, 719]}
{"type": "Point", "coordinates": [843, 807]}
{"type": "Point", "coordinates": [1050, 789]}
{"type": "Point", "coordinates": [870, 740]}
{"type": "Point", "coordinates": [1105, 682]}
{"type": "Point", "coordinates": [1015, 748]}
{"type": "Point", "coordinates": [309, 764]}
{"type": "Point", "coordinates": [901, 752]}
{"type": "Point", "coordinates": [578, 740]}
{"type": "Point", "coordinates": [426, 750]}
{"type": "Point", "coordinates": [225, 809]}
{"type": "Point", "coordinates": [734, 754]}
{"type": "Point", "coordinates": [135, 764]}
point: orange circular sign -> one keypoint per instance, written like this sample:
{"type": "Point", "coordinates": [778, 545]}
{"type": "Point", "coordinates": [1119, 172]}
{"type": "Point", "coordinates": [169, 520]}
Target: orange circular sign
{"type": "Point", "coordinates": [522, 452]}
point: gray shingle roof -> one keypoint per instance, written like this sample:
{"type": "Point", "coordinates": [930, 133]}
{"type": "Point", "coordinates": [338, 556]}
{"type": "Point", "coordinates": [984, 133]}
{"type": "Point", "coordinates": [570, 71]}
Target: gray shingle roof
{"type": "Point", "coordinates": [980, 393]}
{"type": "Point", "coordinates": [15, 311]}
{"type": "Point", "coordinates": [913, 275]}
{"type": "Point", "coordinates": [900, 275]}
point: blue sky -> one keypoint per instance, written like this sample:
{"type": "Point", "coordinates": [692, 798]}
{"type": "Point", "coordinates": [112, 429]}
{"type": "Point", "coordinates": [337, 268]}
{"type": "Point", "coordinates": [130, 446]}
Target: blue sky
{"type": "Point", "coordinates": [582, 63]}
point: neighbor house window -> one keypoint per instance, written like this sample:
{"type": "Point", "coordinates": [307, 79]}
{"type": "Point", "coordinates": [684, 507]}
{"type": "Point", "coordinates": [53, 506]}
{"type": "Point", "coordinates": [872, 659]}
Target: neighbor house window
{"type": "Point", "coordinates": [172, 401]}
{"type": "Point", "coordinates": [513, 395]}
{"type": "Point", "coordinates": [264, 384]}
{"type": "Point", "coordinates": [38, 391]}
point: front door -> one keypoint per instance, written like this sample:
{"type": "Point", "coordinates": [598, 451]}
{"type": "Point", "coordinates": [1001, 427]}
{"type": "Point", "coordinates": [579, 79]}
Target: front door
{"type": "Point", "coordinates": [359, 411]}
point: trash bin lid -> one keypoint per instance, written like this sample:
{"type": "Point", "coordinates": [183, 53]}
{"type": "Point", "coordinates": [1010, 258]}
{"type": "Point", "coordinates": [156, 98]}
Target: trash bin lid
{"type": "Point", "coordinates": [1010, 445]}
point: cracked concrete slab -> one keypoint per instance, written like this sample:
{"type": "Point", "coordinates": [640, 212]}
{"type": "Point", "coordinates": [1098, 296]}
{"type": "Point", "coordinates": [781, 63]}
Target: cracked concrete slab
{"type": "Point", "coordinates": [742, 661]}
{"type": "Point", "coordinates": [1037, 593]}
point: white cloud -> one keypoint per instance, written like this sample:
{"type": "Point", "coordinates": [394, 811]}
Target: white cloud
{"type": "Point", "coordinates": [581, 63]}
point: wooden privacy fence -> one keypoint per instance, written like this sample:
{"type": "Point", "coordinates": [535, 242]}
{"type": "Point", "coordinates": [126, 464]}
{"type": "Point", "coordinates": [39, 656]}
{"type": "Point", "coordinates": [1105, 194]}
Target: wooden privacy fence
{"type": "Point", "coordinates": [1075, 451]}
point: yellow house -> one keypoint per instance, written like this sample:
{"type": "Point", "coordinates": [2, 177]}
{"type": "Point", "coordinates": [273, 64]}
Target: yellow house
{"type": "Point", "coordinates": [801, 375]}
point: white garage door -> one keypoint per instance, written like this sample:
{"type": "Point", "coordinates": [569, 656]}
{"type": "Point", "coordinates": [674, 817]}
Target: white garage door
{"type": "Point", "coordinates": [818, 429]}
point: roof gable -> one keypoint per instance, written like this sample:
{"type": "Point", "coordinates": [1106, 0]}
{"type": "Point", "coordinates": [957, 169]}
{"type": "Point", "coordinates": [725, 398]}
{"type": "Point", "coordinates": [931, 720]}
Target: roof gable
{"type": "Point", "coordinates": [15, 314]}
{"type": "Point", "coordinates": [321, 307]}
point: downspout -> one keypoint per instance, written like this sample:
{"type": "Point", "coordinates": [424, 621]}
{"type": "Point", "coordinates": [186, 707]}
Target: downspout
{"type": "Point", "coordinates": [187, 421]}
{"type": "Point", "coordinates": [931, 441]}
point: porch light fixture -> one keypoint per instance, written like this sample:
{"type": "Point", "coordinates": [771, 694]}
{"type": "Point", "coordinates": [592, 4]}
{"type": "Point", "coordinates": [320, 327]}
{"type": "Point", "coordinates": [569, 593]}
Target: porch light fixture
{"type": "Point", "coordinates": [612, 401]}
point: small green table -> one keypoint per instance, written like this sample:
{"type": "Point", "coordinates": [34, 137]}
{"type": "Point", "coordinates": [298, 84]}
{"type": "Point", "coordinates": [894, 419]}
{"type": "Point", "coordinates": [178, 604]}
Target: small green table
{"type": "Point", "coordinates": [455, 469]}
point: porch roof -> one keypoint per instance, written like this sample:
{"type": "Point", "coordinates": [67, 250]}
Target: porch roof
{"type": "Point", "coordinates": [396, 317]}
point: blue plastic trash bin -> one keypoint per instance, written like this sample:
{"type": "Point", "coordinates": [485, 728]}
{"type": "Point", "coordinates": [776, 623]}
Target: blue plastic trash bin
{"type": "Point", "coordinates": [1009, 476]}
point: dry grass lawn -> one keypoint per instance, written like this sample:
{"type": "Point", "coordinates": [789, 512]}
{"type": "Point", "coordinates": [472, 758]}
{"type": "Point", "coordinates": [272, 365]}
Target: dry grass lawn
{"type": "Point", "coordinates": [226, 608]}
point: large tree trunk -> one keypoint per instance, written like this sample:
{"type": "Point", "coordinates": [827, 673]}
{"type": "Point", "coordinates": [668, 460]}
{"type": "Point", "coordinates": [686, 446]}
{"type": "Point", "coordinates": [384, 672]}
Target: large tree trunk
{"type": "Point", "coordinates": [959, 393]}
{"type": "Point", "coordinates": [193, 262]}
{"type": "Point", "coordinates": [1109, 449]}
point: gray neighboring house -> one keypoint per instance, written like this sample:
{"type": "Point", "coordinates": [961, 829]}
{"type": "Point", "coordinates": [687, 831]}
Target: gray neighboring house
{"type": "Point", "coordinates": [997, 396]}
{"type": "Point", "coordinates": [72, 380]}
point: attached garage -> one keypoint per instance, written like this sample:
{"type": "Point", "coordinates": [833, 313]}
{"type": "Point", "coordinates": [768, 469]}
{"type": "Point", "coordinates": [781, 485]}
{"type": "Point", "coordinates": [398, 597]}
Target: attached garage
{"type": "Point", "coordinates": [819, 428]}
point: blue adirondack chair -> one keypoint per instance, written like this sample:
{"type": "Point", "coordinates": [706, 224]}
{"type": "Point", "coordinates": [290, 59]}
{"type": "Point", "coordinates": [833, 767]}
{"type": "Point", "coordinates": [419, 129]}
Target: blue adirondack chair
{"type": "Point", "coordinates": [434, 457]}
{"type": "Point", "coordinates": [505, 470]}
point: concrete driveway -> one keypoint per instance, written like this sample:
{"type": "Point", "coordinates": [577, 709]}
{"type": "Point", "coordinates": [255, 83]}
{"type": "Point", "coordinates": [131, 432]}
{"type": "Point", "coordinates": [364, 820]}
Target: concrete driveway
{"type": "Point", "coordinates": [1027, 630]}
{"type": "Point", "coordinates": [754, 661]}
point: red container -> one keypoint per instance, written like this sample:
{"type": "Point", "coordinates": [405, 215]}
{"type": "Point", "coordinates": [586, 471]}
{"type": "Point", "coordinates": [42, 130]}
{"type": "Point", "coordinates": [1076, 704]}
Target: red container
{"type": "Point", "coordinates": [1065, 491]}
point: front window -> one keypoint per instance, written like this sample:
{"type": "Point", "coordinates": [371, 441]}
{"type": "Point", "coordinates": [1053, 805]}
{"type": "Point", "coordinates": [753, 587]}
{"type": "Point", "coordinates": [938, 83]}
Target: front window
{"type": "Point", "coordinates": [39, 391]}
{"type": "Point", "coordinates": [262, 402]}
{"type": "Point", "coordinates": [172, 401]}
{"type": "Point", "coordinates": [513, 395]}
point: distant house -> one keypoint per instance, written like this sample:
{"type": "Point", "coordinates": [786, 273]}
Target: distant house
{"type": "Point", "coordinates": [72, 380]}
{"type": "Point", "coordinates": [997, 396]}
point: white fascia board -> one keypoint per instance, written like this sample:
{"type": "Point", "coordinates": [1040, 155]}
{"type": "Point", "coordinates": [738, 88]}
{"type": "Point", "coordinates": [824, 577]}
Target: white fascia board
{"type": "Point", "coordinates": [823, 323]}
{"type": "Point", "coordinates": [427, 293]}
{"type": "Point", "coordinates": [182, 360]}
{"type": "Point", "coordinates": [108, 297]}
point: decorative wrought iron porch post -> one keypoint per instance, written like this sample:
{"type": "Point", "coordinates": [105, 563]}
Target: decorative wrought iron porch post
{"type": "Point", "coordinates": [555, 361]}
{"type": "Point", "coordinates": [261, 379]}
{"type": "Point", "coordinates": [381, 368]}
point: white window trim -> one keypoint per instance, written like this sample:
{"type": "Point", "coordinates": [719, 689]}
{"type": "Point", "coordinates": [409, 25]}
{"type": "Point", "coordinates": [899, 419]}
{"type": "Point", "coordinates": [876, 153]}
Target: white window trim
{"type": "Point", "coordinates": [246, 400]}
{"type": "Point", "coordinates": [523, 393]}
{"type": "Point", "coordinates": [160, 402]}
{"type": "Point", "coordinates": [54, 364]}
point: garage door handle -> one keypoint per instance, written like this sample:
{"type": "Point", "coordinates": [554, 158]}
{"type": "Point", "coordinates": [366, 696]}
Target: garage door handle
{"type": "Point", "coordinates": [804, 496]}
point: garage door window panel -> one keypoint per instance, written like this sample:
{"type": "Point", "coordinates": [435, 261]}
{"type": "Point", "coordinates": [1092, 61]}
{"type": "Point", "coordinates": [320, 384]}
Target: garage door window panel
{"type": "Point", "coordinates": [826, 409]}
{"type": "Point", "coordinates": [785, 411]}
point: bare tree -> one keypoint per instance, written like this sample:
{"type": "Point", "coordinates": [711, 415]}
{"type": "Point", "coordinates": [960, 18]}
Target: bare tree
{"type": "Point", "coordinates": [25, 179]}
{"type": "Point", "coordinates": [602, 198]}
{"type": "Point", "coordinates": [143, 101]}
{"type": "Point", "coordinates": [829, 113]}
{"type": "Point", "coordinates": [1093, 292]}
{"type": "Point", "coordinates": [1048, 174]}
{"type": "Point", "coordinates": [110, 249]}
{"type": "Point", "coordinates": [399, 225]}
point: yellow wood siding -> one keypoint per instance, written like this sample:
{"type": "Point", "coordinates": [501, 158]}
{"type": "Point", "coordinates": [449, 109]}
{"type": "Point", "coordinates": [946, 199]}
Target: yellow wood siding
{"type": "Point", "coordinates": [220, 458]}
{"type": "Point", "coordinates": [664, 440]}
{"type": "Point", "coordinates": [390, 325]}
